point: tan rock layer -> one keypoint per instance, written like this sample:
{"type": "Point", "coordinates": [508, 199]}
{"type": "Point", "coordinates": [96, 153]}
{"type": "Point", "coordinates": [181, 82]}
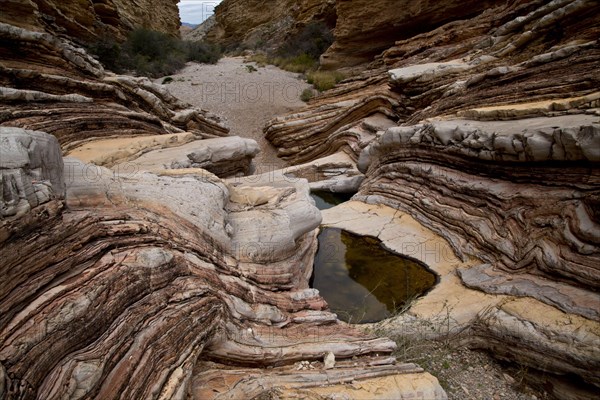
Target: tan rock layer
{"type": "Point", "coordinates": [137, 278]}
{"type": "Point", "coordinates": [546, 345]}
{"type": "Point", "coordinates": [365, 28]}
{"type": "Point", "coordinates": [314, 384]}
{"type": "Point", "coordinates": [250, 23]}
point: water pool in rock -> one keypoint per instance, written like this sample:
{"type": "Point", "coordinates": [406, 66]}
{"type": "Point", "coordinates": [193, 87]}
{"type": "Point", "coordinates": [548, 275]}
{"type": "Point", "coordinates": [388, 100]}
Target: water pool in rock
{"type": "Point", "coordinates": [324, 200]}
{"type": "Point", "coordinates": [361, 280]}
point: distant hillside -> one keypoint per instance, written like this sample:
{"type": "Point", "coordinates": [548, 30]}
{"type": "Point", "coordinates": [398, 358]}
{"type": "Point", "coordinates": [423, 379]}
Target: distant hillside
{"type": "Point", "coordinates": [199, 32]}
{"type": "Point", "coordinates": [193, 26]}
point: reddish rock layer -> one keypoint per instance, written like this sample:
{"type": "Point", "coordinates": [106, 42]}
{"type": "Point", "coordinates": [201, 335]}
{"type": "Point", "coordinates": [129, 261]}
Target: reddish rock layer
{"type": "Point", "coordinates": [121, 289]}
{"type": "Point", "coordinates": [495, 148]}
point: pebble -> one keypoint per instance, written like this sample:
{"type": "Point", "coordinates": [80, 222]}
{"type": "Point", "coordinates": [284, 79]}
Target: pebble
{"type": "Point", "coordinates": [329, 360]}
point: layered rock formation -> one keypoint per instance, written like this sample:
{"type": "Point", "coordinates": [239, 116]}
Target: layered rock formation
{"type": "Point", "coordinates": [365, 28]}
{"type": "Point", "coordinates": [165, 281]}
{"type": "Point", "coordinates": [512, 327]}
{"type": "Point", "coordinates": [501, 168]}
{"type": "Point", "coordinates": [250, 23]}
{"type": "Point", "coordinates": [485, 132]}
{"type": "Point", "coordinates": [90, 19]}
{"type": "Point", "coordinates": [507, 58]}
{"type": "Point", "coordinates": [154, 279]}
{"type": "Point", "coordinates": [147, 285]}
{"type": "Point", "coordinates": [53, 86]}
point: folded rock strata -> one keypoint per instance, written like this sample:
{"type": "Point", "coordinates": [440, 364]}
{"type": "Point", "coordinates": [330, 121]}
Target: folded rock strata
{"type": "Point", "coordinates": [318, 384]}
{"type": "Point", "coordinates": [467, 68]}
{"type": "Point", "coordinates": [53, 86]}
{"type": "Point", "coordinates": [493, 192]}
{"type": "Point", "coordinates": [491, 142]}
{"type": "Point", "coordinates": [511, 327]}
{"type": "Point", "coordinates": [126, 286]}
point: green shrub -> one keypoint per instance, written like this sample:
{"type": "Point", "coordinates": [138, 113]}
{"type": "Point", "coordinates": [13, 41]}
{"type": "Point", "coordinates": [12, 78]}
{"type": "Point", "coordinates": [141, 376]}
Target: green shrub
{"type": "Point", "coordinates": [167, 80]}
{"type": "Point", "coordinates": [299, 53]}
{"type": "Point", "coordinates": [300, 64]}
{"type": "Point", "coordinates": [306, 95]}
{"type": "Point", "coordinates": [152, 53]}
{"type": "Point", "coordinates": [250, 68]}
{"type": "Point", "coordinates": [324, 80]}
{"type": "Point", "coordinates": [201, 52]}
{"type": "Point", "coordinates": [260, 59]}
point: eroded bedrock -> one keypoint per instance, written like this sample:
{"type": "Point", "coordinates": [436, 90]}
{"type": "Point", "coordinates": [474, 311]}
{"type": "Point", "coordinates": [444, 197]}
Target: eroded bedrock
{"type": "Point", "coordinates": [54, 86]}
{"type": "Point", "coordinates": [223, 156]}
{"type": "Point", "coordinates": [481, 136]}
{"type": "Point", "coordinates": [516, 327]}
{"type": "Point", "coordinates": [509, 62]}
{"type": "Point", "coordinates": [520, 198]}
{"type": "Point", "coordinates": [152, 285]}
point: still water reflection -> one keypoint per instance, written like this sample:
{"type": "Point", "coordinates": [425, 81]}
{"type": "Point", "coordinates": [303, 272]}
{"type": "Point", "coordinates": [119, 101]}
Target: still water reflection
{"type": "Point", "coordinates": [362, 281]}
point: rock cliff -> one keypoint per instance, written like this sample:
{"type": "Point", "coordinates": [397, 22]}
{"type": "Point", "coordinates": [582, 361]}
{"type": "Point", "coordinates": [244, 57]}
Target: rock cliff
{"type": "Point", "coordinates": [89, 19]}
{"type": "Point", "coordinates": [253, 24]}
{"type": "Point", "coordinates": [485, 131]}
{"type": "Point", "coordinates": [365, 28]}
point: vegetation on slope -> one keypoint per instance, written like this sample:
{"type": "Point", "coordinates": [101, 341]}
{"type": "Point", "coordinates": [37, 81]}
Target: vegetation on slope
{"type": "Point", "coordinates": [301, 53]}
{"type": "Point", "coordinates": [151, 53]}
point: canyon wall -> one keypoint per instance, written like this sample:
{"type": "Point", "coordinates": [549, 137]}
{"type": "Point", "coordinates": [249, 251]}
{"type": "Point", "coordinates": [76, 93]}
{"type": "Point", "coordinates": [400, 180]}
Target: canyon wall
{"type": "Point", "coordinates": [252, 24]}
{"type": "Point", "coordinates": [365, 28]}
{"type": "Point", "coordinates": [90, 19]}
{"type": "Point", "coordinates": [486, 132]}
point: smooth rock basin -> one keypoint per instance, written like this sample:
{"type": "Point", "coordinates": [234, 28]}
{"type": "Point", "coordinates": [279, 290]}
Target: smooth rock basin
{"type": "Point", "coordinates": [361, 280]}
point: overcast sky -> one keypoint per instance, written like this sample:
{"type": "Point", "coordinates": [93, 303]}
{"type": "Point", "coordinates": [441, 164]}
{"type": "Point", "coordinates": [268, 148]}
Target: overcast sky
{"type": "Point", "coordinates": [196, 11]}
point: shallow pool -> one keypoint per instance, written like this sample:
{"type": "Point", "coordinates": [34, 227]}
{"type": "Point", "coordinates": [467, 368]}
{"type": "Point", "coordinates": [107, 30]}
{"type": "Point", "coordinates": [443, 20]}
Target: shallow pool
{"type": "Point", "coordinates": [324, 200]}
{"type": "Point", "coordinates": [361, 280]}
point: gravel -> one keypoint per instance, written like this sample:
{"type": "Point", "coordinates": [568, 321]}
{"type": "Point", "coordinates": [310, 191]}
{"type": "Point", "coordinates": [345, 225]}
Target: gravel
{"type": "Point", "coordinates": [246, 98]}
{"type": "Point", "coordinates": [468, 374]}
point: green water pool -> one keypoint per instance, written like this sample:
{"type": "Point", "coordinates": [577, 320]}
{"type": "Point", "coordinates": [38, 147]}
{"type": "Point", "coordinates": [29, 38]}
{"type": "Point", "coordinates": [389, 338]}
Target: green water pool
{"type": "Point", "coordinates": [361, 280]}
